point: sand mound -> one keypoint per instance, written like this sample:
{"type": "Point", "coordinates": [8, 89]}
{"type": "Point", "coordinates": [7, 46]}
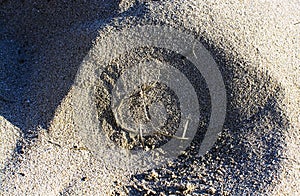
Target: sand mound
{"type": "Point", "coordinates": [44, 46]}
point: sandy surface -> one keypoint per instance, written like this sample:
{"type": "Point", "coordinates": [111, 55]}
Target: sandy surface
{"type": "Point", "coordinates": [42, 47]}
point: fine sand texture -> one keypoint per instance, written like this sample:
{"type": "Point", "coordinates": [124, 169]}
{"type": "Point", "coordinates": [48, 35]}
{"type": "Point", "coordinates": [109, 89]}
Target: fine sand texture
{"type": "Point", "coordinates": [46, 47]}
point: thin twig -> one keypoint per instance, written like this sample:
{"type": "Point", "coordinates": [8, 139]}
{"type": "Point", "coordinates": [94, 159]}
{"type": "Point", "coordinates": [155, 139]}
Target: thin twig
{"type": "Point", "coordinates": [141, 135]}
{"type": "Point", "coordinates": [185, 129]}
{"type": "Point", "coordinates": [297, 23]}
{"type": "Point", "coordinates": [54, 143]}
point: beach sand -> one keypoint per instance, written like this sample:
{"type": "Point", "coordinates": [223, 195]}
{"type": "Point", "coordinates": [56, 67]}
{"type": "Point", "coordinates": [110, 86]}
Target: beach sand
{"type": "Point", "coordinates": [44, 44]}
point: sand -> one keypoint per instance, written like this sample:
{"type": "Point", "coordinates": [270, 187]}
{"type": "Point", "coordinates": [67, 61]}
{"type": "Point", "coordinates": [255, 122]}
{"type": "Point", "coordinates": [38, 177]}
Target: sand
{"type": "Point", "coordinates": [44, 44]}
